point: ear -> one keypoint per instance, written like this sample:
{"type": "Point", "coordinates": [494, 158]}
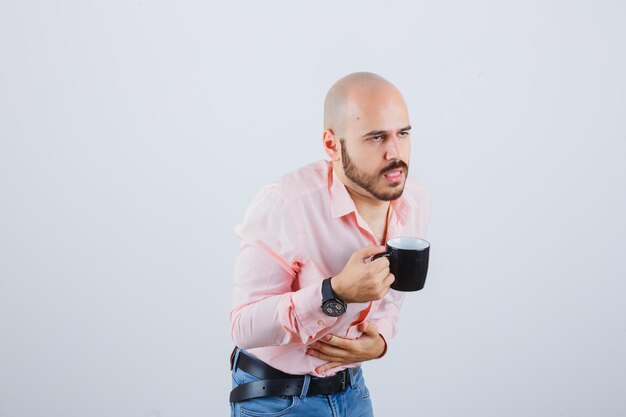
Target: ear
{"type": "Point", "coordinates": [331, 145]}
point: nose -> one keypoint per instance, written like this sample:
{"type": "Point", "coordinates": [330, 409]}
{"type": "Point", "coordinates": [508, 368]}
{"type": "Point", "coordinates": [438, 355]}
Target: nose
{"type": "Point", "coordinates": [393, 149]}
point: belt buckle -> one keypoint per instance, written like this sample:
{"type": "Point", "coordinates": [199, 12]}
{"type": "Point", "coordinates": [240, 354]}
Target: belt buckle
{"type": "Point", "coordinates": [343, 379]}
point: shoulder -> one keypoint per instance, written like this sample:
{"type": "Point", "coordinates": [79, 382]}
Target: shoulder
{"type": "Point", "coordinates": [309, 179]}
{"type": "Point", "coordinates": [276, 207]}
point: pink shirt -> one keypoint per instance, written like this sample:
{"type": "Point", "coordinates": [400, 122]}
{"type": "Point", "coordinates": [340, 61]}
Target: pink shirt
{"type": "Point", "coordinates": [298, 231]}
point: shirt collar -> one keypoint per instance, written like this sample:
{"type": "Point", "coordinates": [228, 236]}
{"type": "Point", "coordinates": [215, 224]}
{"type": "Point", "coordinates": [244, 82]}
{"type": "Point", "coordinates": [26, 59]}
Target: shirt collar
{"type": "Point", "coordinates": [342, 204]}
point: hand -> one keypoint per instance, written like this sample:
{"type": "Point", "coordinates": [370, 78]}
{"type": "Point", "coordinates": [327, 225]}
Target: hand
{"type": "Point", "coordinates": [340, 351]}
{"type": "Point", "coordinates": [359, 281]}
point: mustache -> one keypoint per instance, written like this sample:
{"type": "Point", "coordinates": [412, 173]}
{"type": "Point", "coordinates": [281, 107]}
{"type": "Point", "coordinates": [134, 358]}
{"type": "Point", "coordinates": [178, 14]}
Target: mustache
{"type": "Point", "coordinates": [395, 165]}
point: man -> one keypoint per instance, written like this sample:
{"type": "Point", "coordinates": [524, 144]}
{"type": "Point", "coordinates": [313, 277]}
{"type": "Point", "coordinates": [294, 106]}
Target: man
{"type": "Point", "coordinates": [309, 303]}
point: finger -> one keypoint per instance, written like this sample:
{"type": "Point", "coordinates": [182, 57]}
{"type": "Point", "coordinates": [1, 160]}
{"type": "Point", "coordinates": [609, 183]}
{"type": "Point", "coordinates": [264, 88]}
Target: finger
{"type": "Point", "coordinates": [333, 351]}
{"type": "Point", "coordinates": [369, 328]}
{"type": "Point", "coordinates": [327, 366]}
{"type": "Point", "coordinates": [369, 251]}
{"type": "Point", "coordinates": [381, 264]}
{"type": "Point", "coordinates": [389, 279]}
{"type": "Point", "coordinates": [325, 348]}
{"type": "Point", "coordinates": [321, 355]}
{"type": "Point", "coordinates": [342, 357]}
{"type": "Point", "coordinates": [336, 351]}
{"type": "Point", "coordinates": [382, 274]}
{"type": "Point", "coordinates": [334, 340]}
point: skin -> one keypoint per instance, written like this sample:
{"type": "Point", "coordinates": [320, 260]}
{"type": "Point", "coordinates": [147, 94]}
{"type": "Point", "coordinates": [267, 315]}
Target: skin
{"type": "Point", "coordinates": [366, 136]}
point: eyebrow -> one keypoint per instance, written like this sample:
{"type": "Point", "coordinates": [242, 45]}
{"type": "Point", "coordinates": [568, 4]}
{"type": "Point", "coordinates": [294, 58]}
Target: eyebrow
{"type": "Point", "coordinates": [382, 132]}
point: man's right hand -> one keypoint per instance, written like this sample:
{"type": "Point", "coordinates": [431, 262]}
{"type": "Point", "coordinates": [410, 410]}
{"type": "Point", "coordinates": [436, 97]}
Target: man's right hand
{"type": "Point", "coordinates": [361, 281]}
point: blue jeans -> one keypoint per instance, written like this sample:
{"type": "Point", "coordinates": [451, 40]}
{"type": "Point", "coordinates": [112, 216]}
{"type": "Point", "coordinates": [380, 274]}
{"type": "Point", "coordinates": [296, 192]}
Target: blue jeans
{"type": "Point", "coordinates": [354, 401]}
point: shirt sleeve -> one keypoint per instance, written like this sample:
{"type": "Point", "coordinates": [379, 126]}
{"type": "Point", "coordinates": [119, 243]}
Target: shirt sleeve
{"type": "Point", "coordinates": [266, 310]}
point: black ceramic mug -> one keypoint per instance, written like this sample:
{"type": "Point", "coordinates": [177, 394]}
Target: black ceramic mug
{"type": "Point", "coordinates": [408, 262]}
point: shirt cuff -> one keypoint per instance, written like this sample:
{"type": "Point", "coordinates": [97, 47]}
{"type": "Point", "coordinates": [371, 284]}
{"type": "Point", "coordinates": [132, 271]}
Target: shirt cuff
{"type": "Point", "coordinates": [307, 304]}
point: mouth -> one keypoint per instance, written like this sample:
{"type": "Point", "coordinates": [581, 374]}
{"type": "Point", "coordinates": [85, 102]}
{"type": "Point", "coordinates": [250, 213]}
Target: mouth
{"type": "Point", "coordinates": [394, 175]}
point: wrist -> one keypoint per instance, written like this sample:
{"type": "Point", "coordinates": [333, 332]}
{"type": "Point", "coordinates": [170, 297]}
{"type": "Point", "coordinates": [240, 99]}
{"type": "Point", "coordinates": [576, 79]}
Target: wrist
{"type": "Point", "coordinates": [331, 305]}
{"type": "Point", "coordinates": [335, 285]}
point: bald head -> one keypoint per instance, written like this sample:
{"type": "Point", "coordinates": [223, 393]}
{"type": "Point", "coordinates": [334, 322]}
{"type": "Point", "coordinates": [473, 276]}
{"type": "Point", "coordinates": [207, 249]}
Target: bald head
{"type": "Point", "coordinates": [348, 93]}
{"type": "Point", "coordinates": [366, 136]}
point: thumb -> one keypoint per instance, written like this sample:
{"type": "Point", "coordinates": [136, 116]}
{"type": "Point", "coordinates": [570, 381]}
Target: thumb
{"type": "Point", "coordinates": [368, 328]}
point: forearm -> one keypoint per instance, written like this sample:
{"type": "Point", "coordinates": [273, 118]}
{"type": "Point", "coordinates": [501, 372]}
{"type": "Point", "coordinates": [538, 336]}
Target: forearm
{"type": "Point", "coordinates": [261, 323]}
{"type": "Point", "coordinates": [294, 317]}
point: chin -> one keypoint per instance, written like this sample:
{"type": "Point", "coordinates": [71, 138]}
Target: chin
{"type": "Point", "coordinates": [390, 195]}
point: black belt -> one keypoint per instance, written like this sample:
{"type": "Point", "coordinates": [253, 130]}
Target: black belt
{"type": "Point", "coordinates": [277, 383]}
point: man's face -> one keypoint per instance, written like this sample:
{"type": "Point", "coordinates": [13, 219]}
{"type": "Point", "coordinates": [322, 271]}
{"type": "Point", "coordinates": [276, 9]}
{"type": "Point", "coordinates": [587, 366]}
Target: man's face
{"type": "Point", "coordinates": [376, 147]}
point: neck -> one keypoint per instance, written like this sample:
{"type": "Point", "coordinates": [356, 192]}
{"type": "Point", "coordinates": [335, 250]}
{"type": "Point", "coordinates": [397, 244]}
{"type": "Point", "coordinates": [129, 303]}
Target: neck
{"type": "Point", "coordinates": [368, 206]}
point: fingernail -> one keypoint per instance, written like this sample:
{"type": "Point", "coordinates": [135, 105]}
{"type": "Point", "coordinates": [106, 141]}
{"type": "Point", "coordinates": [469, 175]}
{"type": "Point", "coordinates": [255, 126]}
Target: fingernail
{"type": "Point", "coordinates": [328, 337]}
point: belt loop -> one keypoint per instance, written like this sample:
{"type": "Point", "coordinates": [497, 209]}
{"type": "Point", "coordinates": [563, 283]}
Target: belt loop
{"type": "Point", "coordinates": [352, 372]}
{"type": "Point", "coordinates": [235, 357]}
{"type": "Point", "coordinates": [305, 386]}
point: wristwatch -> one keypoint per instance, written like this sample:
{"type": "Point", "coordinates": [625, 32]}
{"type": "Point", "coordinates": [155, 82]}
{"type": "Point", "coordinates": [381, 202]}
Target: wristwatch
{"type": "Point", "coordinates": [331, 305]}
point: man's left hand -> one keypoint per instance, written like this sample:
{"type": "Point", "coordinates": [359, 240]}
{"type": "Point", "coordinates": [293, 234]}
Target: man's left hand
{"type": "Point", "coordinates": [339, 351]}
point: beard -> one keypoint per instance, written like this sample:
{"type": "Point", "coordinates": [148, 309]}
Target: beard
{"type": "Point", "coordinates": [368, 181]}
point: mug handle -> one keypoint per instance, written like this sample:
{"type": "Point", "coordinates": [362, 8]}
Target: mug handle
{"type": "Point", "coordinates": [380, 255]}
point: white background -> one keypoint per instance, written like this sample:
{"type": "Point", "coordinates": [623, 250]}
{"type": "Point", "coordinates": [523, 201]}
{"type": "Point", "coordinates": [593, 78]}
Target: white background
{"type": "Point", "coordinates": [133, 134]}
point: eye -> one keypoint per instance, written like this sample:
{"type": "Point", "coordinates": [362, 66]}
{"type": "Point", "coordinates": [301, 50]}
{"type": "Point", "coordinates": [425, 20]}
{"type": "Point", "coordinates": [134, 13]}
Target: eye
{"type": "Point", "coordinates": [404, 134]}
{"type": "Point", "coordinates": [377, 138]}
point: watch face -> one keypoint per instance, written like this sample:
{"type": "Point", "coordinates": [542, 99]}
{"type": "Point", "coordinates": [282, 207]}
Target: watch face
{"type": "Point", "coordinates": [333, 308]}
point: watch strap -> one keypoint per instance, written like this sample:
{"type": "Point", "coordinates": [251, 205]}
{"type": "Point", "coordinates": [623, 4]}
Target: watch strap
{"type": "Point", "coordinates": [327, 290]}
{"type": "Point", "coordinates": [331, 305]}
